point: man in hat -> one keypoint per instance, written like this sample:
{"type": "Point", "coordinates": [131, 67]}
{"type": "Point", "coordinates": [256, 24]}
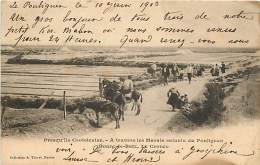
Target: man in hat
{"type": "Point", "coordinates": [223, 68]}
{"type": "Point", "coordinates": [165, 74]}
{"type": "Point", "coordinates": [127, 87]}
{"type": "Point", "coordinates": [216, 70]}
{"type": "Point", "coordinates": [175, 72]}
{"type": "Point", "coordinates": [189, 72]}
{"type": "Point", "coordinates": [154, 68]}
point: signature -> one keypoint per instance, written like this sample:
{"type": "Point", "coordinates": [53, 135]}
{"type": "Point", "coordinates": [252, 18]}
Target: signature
{"type": "Point", "coordinates": [222, 150]}
{"type": "Point", "coordinates": [71, 155]}
{"type": "Point", "coordinates": [145, 154]}
{"type": "Point", "coordinates": [132, 158]}
{"type": "Point", "coordinates": [118, 153]}
{"type": "Point", "coordinates": [73, 158]}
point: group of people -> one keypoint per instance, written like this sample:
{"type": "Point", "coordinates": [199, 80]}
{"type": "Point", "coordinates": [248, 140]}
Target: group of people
{"type": "Point", "coordinates": [168, 70]}
{"type": "Point", "coordinates": [215, 70]}
{"type": "Point", "coordinates": [175, 99]}
{"type": "Point", "coordinates": [176, 72]}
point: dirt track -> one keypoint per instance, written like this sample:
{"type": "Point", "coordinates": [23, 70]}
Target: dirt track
{"type": "Point", "coordinates": [155, 112]}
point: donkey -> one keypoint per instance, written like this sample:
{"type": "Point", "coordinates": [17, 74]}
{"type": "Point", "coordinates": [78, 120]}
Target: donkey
{"type": "Point", "coordinates": [102, 106]}
{"type": "Point", "coordinates": [112, 93]}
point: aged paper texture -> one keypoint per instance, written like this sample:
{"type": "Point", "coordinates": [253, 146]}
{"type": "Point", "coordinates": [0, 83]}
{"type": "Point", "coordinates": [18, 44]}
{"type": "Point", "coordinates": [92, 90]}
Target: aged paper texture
{"type": "Point", "coordinates": [130, 82]}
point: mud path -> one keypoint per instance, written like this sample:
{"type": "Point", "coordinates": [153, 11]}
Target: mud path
{"type": "Point", "coordinates": [155, 113]}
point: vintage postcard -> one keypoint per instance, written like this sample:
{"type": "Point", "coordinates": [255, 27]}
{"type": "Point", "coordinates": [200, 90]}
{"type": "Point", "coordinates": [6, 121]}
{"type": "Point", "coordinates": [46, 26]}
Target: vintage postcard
{"type": "Point", "coordinates": [145, 82]}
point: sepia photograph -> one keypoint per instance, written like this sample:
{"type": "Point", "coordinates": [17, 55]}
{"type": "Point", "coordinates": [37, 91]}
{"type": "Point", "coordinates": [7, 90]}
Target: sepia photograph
{"type": "Point", "coordinates": [114, 82]}
{"type": "Point", "coordinates": [135, 89]}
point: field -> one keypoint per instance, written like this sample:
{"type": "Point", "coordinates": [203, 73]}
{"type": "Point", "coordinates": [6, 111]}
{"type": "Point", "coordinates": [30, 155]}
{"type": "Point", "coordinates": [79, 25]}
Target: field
{"type": "Point", "coordinates": [52, 80]}
{"type": "Point", "coordinates": [32, 81]}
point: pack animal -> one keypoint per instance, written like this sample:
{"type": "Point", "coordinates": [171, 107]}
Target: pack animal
{"type": "Point", "coordinates": [112, 93]}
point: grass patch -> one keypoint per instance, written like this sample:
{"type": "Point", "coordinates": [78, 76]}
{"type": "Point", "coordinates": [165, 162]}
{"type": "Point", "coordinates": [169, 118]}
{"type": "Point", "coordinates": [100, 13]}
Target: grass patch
{"type": "Point", "coordinates": [210, 110]}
